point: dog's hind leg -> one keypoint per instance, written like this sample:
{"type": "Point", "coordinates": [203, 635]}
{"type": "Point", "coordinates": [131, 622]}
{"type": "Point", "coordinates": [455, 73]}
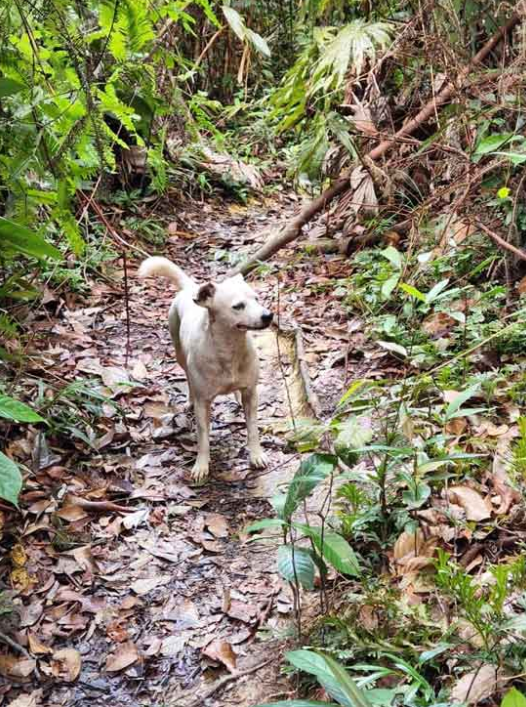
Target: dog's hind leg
{"type": "Point", "coordinates": [202, 417]}
{"type": "Point", "coordinates": [249, 397]}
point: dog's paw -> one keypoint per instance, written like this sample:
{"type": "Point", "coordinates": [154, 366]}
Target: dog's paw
{"type": "Point", "coordinates": [200, 472]}
{"type": "Point", "coordinates": [258, 459]}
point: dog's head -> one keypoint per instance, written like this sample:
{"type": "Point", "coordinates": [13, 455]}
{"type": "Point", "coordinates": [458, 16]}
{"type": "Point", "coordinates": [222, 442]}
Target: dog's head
{"type": "Point", "coordinates": [234, 304]}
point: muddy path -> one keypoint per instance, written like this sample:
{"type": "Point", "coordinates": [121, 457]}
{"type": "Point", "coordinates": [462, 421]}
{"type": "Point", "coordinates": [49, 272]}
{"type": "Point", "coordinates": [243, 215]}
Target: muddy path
{"type": "Point", "coordinates": [149, 583]}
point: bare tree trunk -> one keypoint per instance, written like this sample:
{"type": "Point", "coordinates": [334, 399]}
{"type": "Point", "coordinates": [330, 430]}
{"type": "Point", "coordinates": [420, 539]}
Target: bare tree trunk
{"type": "Point", "coordinates": [293, 229]}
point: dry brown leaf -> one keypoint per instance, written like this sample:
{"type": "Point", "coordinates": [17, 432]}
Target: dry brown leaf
{"type": "Point", "coordinates": [139, 372]}
{"type": "Point", "coordinates": [32, 700]}
{"type": "Point", "coordinates": [222, 652]}
{"type": "Point", "coordinates": [438, 324]}
{"type": "Point", "coordinates": [521, 287]}
{"type": "Point", "coordinates": [13, 667]}
{"type": "Point", "coordinates": [72, 513]}
{"type": "Point", "coordinates": [143, 586]}
{"type": "Point", "coordinates": [476, 686]}
{"type": "Point", "coordinates": [408, 545]}
{"type": "Point", "coordinates": [66, 664]}
{"type": "Point", "coordinates": [125, 655]}
{"type": "Point", "coordinates": [18, 555]}
{"type": "Point", "coordinates": [462, 230]}
{"type": "Point", "coordinates": [457, 426]}
{"type": "Point", "coordinates": [368, 618]}
{"type": "Point", "coordinates": [115, 377]}
{"type": "Point", "coordinates": [476, 507]}
{"type": "Point", "coordinates": [217, 525]}
{"type": "Point", "coordinates": [36, 646]}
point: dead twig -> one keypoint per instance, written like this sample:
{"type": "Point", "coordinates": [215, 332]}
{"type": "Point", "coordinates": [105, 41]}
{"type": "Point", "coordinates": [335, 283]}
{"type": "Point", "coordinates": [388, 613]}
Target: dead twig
{"type": "Point", "coordinates": [14, 645]}
{"type": "Point", "coordinates": [521, 254]}
{"type": "Point", "coordinates": [180, 699]}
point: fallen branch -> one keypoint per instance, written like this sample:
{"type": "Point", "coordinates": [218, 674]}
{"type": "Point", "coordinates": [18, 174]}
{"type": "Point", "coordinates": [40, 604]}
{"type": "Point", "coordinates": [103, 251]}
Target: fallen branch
{"type": "Point", "coordinates": [293, 230]}
{"type": "Point", "coordinates": [521, 254]}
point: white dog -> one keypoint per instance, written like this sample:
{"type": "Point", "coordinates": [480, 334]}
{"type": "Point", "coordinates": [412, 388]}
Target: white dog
{"type": "Point", "coordinates": [209, 325]}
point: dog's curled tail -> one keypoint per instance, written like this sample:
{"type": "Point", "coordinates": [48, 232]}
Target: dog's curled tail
{"type": "Point", "coordinates": [156, 265]}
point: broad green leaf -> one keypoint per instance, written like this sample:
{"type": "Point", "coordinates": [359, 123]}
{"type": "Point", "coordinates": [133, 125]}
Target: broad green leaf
{"type": "Point", "coordinates": [389, 285]}
{"type": "Point", "coordinates": [333, 548]}
{"type": "Point", "coordinates": [298, 703]}
{"type": "Point", "coordinates": [312, 471]}
{"type": "Point", "coordinates": [23, 240]}
{"type": "Point", "coordinates": [258, 41]}
{"type": "Point", "coordinates": [10, 480]}
{"type": "Point", "coordinates": [265, 523]}
{"type": "Point", "coordinates": [235, 21]}
{"type": "Point", "coordinates": [492, 143]}
{"type": "Point", "coordinates": [513, 698]}
{"type": "Point", "coordinates": [354, 434]}
{"type": "Point", "coordinates": [393, 256]}
{"type": "Point", "coordinates": [464, 412]}
{"type": "Point", "coordinates": [516, 158]}
{"type": "Point", "coordinates": [416, 495]}
{"type": "Point", "coordinates": [295, 563]}
{"type": "Point", "coordinates": [351, 391]}
{"type": "Point", "coordinates": [9, 87]}
{"type": "Point", "coordinates": [395, 348]}
{"type": "Point", "coordinates": [426, 656]}
{"type": "Point", "coordinates": [434, 464]}
{"type": "Point", "coordinates": [410, 290]}
{"type": "Point", "coordinates": [436, 290]}
{"type": "Point", "coordinates": [15, 410]}
{"type": "Point", "coordinates": [332, 676]}
{"type": "Point", "coordinates": [459, 400]}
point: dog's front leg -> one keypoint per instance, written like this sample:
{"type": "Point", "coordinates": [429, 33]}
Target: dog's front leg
{"type": "Point", "coordinates": [249, 397]}
{"type": "Point", "coordinates": [202, 417]}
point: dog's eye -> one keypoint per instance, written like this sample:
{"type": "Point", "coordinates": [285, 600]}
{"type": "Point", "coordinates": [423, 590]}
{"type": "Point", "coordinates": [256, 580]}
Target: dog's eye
{"type": "Point", "coordinates": [239, 306]}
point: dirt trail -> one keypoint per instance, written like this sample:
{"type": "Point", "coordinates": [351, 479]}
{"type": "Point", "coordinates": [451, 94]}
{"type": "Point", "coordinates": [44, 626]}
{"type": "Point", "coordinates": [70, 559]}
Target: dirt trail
{"type": "Point", "coordinates": [160, 593]}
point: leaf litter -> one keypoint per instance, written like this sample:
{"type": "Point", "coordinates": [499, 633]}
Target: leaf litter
{"type": "Point", "coordinates": [129, 584]}
{"type": "Point", "coordinates": [129, 580]}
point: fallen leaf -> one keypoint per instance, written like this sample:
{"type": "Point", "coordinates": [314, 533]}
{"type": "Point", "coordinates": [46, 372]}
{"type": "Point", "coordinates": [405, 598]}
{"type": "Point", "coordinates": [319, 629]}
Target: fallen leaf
{"type": "Point", "coordinates": [36, 646]}
{"type": "Point", "coordinates": [72, 513]}
{"type": "Point", "coordinates": [438, 324]}
{"type": "Point", "coordinates": [173, 645]}
{"type": "Point", "coordinates": [125, 655]}
{"type": "Point", "coordinates": [115, 377]}
{"type": "Point", "coordinates": [222, 652]}
{"type": "Point", "coordinates": [476, 507]}
{"type": "Point", "coordinates": [66, 664]}
{"type": "Point", "coordinates": [139, 371]}
{"type": "Point", "coordinates": [32, 700]}
{"type": "Point", "coordinates": [13, 667]}
{"type": "Point", "coordinates": [143, 586]}
{"type": "Point", "coordinates": [217, 525]}
{"type": "Point", "coordinates": [134, 520]}
{"type": "Point", "coordinates": [408, 545]}
{"type": "Point", "coordinates": [476, 686]}
{"type": "Point", "coordinates": [18, 556]}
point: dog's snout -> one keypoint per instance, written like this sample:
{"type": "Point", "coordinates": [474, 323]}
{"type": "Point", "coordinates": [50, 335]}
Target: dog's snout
{"type": "Point", "coordinates": [267, 317]}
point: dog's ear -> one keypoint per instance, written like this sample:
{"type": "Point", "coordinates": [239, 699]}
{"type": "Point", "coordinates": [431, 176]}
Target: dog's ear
{"type": "Point", "coordinates": [205, 294]}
